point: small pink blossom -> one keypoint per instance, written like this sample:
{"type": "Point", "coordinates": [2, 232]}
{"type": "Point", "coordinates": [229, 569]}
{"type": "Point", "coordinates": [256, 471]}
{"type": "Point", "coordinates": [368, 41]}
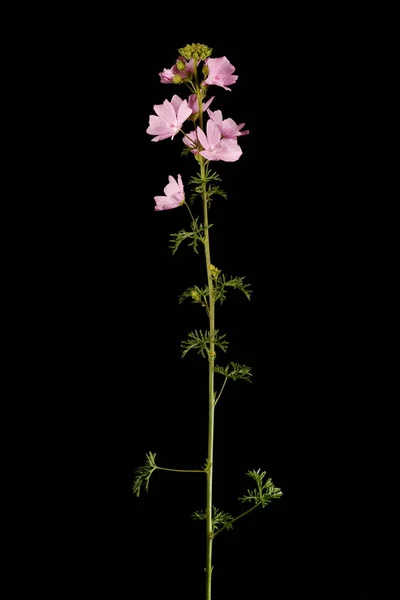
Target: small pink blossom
{"type": "Point", "coordinates": [220, 72]}
{"type": "Point", "coordinates": [228, 128]}
{"type": "Point", "coordinates": [215, 148]}
{"type": "Point", "coordinates": [174, 195]}
{"type": "Point", "coordinates": [167, 75]}
{"type": "Point", "coordinates": [194, 104]}
{"type": "Point", "coordinates": [169, 119]}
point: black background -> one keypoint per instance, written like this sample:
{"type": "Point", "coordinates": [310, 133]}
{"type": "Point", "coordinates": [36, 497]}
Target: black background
{"type": "Point", "coordinates": [112, 324]}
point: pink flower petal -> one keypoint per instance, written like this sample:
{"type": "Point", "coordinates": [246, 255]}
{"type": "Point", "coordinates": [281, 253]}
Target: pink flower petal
{"type": "Point", "coordinates": [230, 150]}
{"type": "Point", "coordinates": [165, 111]}
{"type": "Point", "coordinates": [213, 133]}
{"type": "Point", "coordinates": [166, 76]}
{"type": "Point", "coordinates": [172, 187]}
{"type": "Point", "coordinates": [158, 128]}
{"type": "Point", "coordinates": [215, 116]}
{"type": "Point", "coordinates": [176, 102]}
{"type": "Point", "coordinates": [229, 79]}
{"type": "Point", "coordinates": [201, 136]}
{"type": "Point", "coordinates": [207, 104]}
{"type": "Point", "coordinates": [161, 137]}
{"type": "Point", "coordinates": [183, 113]}
{"type": "Point", "coordinates": [229, 129]}
{"type": "Point", "coordinates": [190, 139]}
{"type": "Point", "coordinates": [174, 195]}
{"type": "Point", "coordinates": [180, 185]}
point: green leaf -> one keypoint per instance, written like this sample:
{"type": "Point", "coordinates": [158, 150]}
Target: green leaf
{"type": "Point", "coordinates": [235, 371]}
{"type": "Point", "coordinates": [201, 340]}
{"type": "Point", "coordinates": [198, 180]}
{"type": "Point", "coordinates": [195, 236]}
{"type": "Point", "coordinates": [219, 519]}
{"type": "Point", "coordinates": [207, 465]}
{"type": "Point", "coordinates": [187, 150]}
{"type": "Point", "coordinates": [234, 282]}
{"type": "Point", "coordinates": [265, 491]}
{"type": "Point", "coordinates": [144, 473]}
{"type": "Point", "coordinates": [214, 190]}
{"type": "Point", "coordinates": [196, 294]}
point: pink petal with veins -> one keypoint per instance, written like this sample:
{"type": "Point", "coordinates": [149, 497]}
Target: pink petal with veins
{"type": "Point", "coordinates": [213, 133]}
{"type": "Point", "coordinates": [165, 111]}
{"type": "Point", "coordinates": [201, 136]}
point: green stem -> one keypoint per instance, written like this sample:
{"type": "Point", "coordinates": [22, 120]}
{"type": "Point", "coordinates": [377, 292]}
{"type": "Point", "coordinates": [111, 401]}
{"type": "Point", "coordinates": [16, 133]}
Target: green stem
{"type": "Point", "coordinates": [211, 316]}
{"type": "Point", "coordinates": [190, 212]}
{"type": "Point", "coordinates": [236, 519]}
{"type": "Point", "coordinates": [220, 392]}
{"type": "Point", "coordinates": [191, 86]}
{"type": "Point", "coordinates": [182, 470]}
{"type": "Point", "coordinates": [211, 405]}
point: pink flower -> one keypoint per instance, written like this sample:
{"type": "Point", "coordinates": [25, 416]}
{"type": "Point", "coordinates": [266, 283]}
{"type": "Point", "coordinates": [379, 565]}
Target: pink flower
{"type": "Point", "coordinates": [167, 74]}
{"type": "Point", "coordinates": [169, 119]}
{"type": "Point", "coordinates": [216, 148]}
{"type": "Point", "coordinates": [220, 72]}
{"type": "Point", "coordinates": [228, 128]}
{"type": "Point", "coordinates": [194, 105]}
{"type": "Point", "coordinates": [174, 195]}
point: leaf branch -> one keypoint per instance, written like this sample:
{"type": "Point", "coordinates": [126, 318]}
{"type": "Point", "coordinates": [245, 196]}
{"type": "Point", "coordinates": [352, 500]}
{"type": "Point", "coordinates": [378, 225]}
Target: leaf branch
{"type": "Point", "coordinates": [143, 474]}
{"type": "Point", "coordinates": [201, 341]}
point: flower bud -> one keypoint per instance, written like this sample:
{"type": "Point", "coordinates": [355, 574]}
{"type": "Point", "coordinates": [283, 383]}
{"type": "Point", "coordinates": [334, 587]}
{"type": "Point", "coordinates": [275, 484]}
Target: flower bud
{"type": "Point", "coordinates": [195, 295]}
{"type": "Point", "coordinates": [177, 79]}
{"type": "Point", "coordinates": [196, 51]}
{"type": "Point", "coordinates": [205, 70]}
{"type": "Point", "coordinates": [180, 65]}
{"type": "Point", "coordinates": [214, 272]}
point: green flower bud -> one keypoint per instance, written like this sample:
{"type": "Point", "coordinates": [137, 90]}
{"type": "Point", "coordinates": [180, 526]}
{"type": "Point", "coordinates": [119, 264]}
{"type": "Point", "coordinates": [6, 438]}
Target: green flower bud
{"type": "Point", "coordinates": [177, 79]}
{"type": "Point", "coordinates": [205, 71]}
{"type": "Point", "coordinates": [214, 272]}
{"type": "Point", "coordinates": [205, 53]}
{"type": "Point", "coordinates": [195, 51]}
{"type": "Point", "coordinates": [195, 295]}
{"type": "Point", "coordinates": [180, 65]}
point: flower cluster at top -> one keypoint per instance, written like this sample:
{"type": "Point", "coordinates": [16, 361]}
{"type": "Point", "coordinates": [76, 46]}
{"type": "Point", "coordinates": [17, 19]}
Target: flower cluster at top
{"type": "Point", "coordinates": [219, 139]}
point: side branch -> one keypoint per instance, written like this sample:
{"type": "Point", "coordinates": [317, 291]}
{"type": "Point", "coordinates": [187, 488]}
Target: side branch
{"type": "Point", "coordinates": [143, 474]}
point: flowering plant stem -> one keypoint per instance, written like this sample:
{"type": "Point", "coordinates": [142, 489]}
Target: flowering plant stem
{"type": "Point", "coordinates": [211, 399]}
{"type": "Point", "coordinates": [218, 141]}
{"type": "Point", "coordinates": [211, 395]}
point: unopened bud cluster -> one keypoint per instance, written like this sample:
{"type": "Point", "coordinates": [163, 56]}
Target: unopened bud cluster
{"type": "Point", "coordinates": [196, 51]}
